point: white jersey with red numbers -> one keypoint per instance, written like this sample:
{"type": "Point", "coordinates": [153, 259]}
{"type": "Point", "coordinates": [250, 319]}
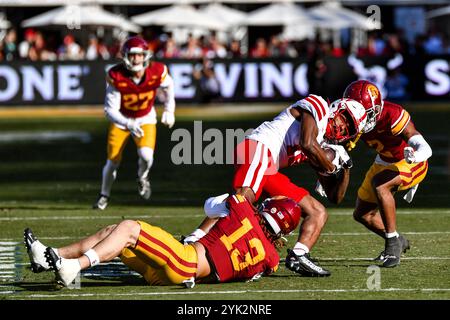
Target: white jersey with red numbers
{"type": "Point", "coordinates": [282, 134]}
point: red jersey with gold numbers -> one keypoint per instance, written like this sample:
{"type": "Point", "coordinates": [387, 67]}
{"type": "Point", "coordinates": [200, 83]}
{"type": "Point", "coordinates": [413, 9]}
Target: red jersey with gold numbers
{"type": "Point", "coordinates": [237, 245]}
{"type": "Point", "coordinates": [137, 99]}
{"type": "Point", "coordinates": [386, 136]}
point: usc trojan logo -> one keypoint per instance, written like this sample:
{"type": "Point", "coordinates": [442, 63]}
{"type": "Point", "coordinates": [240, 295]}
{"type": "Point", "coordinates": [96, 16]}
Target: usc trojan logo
{"type": "Point", "coordinates": [373, 91]}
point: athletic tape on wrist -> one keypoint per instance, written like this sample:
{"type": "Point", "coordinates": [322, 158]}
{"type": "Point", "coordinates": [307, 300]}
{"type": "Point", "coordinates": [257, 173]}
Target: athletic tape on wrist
{"type": "Point", "coordinates": [93, 257]}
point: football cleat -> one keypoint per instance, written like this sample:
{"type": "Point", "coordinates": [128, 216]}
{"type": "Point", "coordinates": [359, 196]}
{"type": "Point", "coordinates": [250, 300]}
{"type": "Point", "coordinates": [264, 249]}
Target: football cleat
{"type": "Point", "coordinates": [66, 270]}
{"type": "Point", "coordinates": [405, 247]}
{"type": "Point", "coordinates": [36, 252]}
{"type": "Point", "coordinates": [392, 252]}
{"type": "Point", "coordinates": [304, 266]}
{"type": "Point", "coordinates": [144, 188]}
{"type": "Point", "coordinates": [101, 203]}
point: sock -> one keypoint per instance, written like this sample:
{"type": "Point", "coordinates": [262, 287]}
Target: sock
{"type": "Point", "coordinates": [93, 257]}
{"type": "Point", "coordinates": [300, 249]}
{"type": "Point", "coordinates": [108, 177]}
{"type": "Point", "coordinates": [145, 162]}
{"type": "Point", "coordinates": [391, 234]}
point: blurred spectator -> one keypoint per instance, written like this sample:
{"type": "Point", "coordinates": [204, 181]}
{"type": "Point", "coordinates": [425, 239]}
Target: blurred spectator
{"type": "Point", "coordinates": [209, 85]}
{"type": "Point", "coordinates": [192, 49]}
{"type": "Point", "coordinates": [10, 46]}
{"type": "Point", "coordinates": [70, 50]}
{"type": "Point", "coordinates": [114, 49]}
{"type": "Point", "coordinates": [96, 49]}
{"type": "Point", "coordinates": [396, 85]}
{"type": "Point", "coordinates": [39, 51]}
{"type": "Point", "coordinates": [27, 43]}
{"type": "Point", "coordinates": [434, 43]}
{"type": "Point", "coordinates": [287, 49]}
{"type": "Point", "coordinates": [170, 50]}
{"type": "Point", "coordinates": [316, 66]}
{"type": "Point", "coordinates": [235, 50]}
{"type": "Point", "coordinates": [215, 49]}
{"type": "Point", "coordinates": [260, 49]}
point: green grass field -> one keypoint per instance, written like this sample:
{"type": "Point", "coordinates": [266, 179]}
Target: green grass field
{"type": "Point", "coordinates": [50, 185]}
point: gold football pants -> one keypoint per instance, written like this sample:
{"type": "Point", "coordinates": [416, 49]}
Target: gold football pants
{"type": "Point", "coordinates": [118, 138]}
{"type": "Point", "coordinates": [160, 258]}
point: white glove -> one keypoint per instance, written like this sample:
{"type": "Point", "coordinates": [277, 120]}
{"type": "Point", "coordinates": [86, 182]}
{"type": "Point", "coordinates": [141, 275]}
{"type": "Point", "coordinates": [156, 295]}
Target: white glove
{"type": "Point", "coordinates": [408, 153]}
{"type": "Point", "coordinates": [342, 159]}
{"type": "Point", "coordinates": [320, 190]}
{"type": "Point", "coordinates": [135, 128]}
{"type": "Point", "coordinates": [168, 119]}
{"type": "Point", "coordinates": [194, 236]}
{"type": "Point", "coordinates": [216, 207]}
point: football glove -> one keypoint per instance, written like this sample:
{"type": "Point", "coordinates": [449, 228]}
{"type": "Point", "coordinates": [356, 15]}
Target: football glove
{"type": "Point", "coordinates": [135, 128]}
{"type": "Point", "coordinates": [342, 159]}
{"type": "Point", "coordinates": [168, 119]}
{"type": "Point", "coordinates": [408, 153]}
{"type": "Point", "coordinates": [194, 236]}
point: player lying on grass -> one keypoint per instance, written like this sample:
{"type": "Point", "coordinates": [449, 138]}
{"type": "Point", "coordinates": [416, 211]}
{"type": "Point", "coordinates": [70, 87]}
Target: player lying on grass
{"type": "Point", "coordinates": [400, 165]}
{"type": "Point", "coordinates": [297, 135]}
{"type": "Point", "coordinates": [241, 246]}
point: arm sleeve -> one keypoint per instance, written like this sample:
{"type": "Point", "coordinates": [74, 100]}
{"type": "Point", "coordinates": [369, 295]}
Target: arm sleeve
{"type": "Point", "coordinates": [112, 106]}
{"type": "Point", "coordinates": [167, 89]}
{"type": "Point", "coordinates": [422, 148]}
{"type": "Point", "coordinates": [216, 207]}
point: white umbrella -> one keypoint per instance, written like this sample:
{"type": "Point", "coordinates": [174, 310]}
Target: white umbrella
{"type": "Point", "coordinates": [74, 16]}
{"type": "Point", "coordinates": [335, 16]}
{"type": "Point", "coordinates": [224, 13]}
{"type": "Point", "coordinates": [4, 24]}
{"type": "Point", "coordinates": [438, 12]}
{"type": "Point", "coordinates": [284, 13]}
{"type": "Point", "coordinates": [179, 15]}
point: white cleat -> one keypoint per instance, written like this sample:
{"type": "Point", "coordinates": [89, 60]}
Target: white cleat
{"type": "Point", "coordinates": [144, 188]}
{"type": "Point", "coordinates": [66, 270]}
{"type": "Point", "coordinates": [36, 252]}
{"type": "Point", "coordinates": [101, 203]}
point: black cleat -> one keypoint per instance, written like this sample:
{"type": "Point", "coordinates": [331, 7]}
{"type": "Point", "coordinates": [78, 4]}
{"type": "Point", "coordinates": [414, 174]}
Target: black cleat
{"type": "Point", "coordinates": [393, 250]}
{"type": "Point", "coordinates": [37, 260]}
{"type": "Point", "coordinates": [304, 265]}
{"type": "Point", "coordinates": [405, 247]}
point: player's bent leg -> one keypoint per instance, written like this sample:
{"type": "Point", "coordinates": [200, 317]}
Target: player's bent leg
{"type": "Point", "coordinates": [315, 217]}
{"type": "Point", "coordinates": [385, 183]}
{"type": "Point", "coordinates": [298, 259]}
{"type": "Point", "coordinates": [368, 215]}
{"type": "Point", "coordinates": [77, 249]}
{"type": "Point", "coordinates": [125, 234]}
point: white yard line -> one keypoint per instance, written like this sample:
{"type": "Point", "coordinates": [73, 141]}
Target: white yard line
{"type": "Point", "coordinates": [105, 217]}
{"type": "Point", "coordinates": [234, 292]}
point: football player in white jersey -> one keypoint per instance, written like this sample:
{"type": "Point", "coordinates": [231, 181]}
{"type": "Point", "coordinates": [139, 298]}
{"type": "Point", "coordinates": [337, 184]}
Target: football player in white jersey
{"type": "Point", "coordinates": [297, 135]}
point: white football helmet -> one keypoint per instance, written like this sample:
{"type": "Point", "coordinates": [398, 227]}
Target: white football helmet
{"type": "Point", "coordinates": [352, 113]}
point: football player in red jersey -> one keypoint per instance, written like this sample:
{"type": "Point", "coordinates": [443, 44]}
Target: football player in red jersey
{"type": "Point", "coordinates": [401, 164]}
{"type": "Point", "coordinates": [292, 137]}
{"type": "Point", "coordinates": [130, 94]}
{"type": "Point", "coordinates": [241, 246]}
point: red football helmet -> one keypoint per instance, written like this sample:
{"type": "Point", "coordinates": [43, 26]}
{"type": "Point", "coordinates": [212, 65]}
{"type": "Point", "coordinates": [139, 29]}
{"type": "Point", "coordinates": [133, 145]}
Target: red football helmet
{"type": "Point", "coordinates": [135, 45]}
{"type": "Point", "coordinates": [282, 214]}
{"type": "Point", "coordinates": [369, 96]}
{"type": "Point", "coordinates": [348, 118]}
